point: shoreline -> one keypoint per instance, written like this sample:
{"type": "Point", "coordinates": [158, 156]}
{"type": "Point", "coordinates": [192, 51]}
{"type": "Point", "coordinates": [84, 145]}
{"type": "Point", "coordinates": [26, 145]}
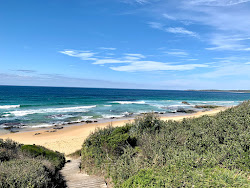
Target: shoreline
{"type": "Point", "coordinates": [70, 138]}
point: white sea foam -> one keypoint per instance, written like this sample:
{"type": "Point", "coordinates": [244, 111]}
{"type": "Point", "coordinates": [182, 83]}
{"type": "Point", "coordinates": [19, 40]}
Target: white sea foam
{"type": "Point", "coordinates": [6, 115]}
{"type": "Point", "coordinates": [86, 117]}
{"type": "Point", "coordinates": [158, 105]}
{"type": "Point", "coordinates": [179, 105]}
{"type": "Point", "coordinates": [40, 126]}
{"type": "Point", "coordinates": [107, 105]}
{"type": "Point", "coordinates": [61, 116]}
{"type": "Point", "coordinates": [110, 116]}
{"type": "Point", "coordinates": [129, 102]}
{"type": "Point", "coordinates": [52, 110]}
{"type": "Point", "coordinates": [207, 102]}
{"type": "Point", "coordinates": [9, 106]}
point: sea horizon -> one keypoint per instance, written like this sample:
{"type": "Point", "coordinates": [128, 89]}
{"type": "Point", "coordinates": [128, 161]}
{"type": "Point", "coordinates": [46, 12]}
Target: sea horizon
{"type": "Point", "coordinates": [24, 107]}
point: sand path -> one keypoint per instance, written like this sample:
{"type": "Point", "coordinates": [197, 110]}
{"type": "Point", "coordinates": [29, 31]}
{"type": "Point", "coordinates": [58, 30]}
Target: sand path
{"type": "Point", "coordinates": [69, 139]}
{"type": "Point", "coordinates": [75, 179]}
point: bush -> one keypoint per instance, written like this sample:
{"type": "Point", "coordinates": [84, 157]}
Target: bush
{"type": "Point", "coordinates": [56, 158]}
{"type": "Point", "coordinates": [175, 177]}
{"type": "Point", "coordinates": [195, 151]}
{"type": "Point", "coordinates": [29, 166]}
{"type": "Point", "coordinates": [104, 146]}
{"type": "Point", "coordinates": [8, 150]}
{"type": "Point", "coordinates": [24, 173]}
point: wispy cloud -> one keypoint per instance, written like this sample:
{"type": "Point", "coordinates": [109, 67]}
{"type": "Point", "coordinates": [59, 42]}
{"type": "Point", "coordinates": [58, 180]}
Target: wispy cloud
{"type": "Point", "coordinates": [218, 3]}
{"type": "Point", "coordinates": [215, 22]}
{"type": "Point", "coordinates": [156, 66]}
{"type": "Point", "coordinates": [181, 30]}
{"type": "Point", "coordinates": [84, 55]}
{"type": "Point", "coordinates": [136, 1]}
{"type": "Point", "coordinates": [156, 25]}
{"type": "Point", "coordinates": [226, 68]}
{"type": "Point", "coordinates": [25, 71]}
{"type": "Point", "coordinates": [105, 48]}
{"type": "Point", "coordinates": [64, 81]}
{"type": "Point", "coordinates": [175, 30]}
{"type": "Point", "coordinates": [177, 53]}
{"type": "Point", "coordinates": [135, 62]}
{"type": "Point", "coordinates": [109, 61]}
{"type": "Point", "coordinates": [167, 16]}
{"type": "Point", "coordinates": [224, 42]}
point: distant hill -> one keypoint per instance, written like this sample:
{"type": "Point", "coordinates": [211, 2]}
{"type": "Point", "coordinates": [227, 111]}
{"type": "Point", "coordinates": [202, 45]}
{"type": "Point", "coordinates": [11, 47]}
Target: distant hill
{"type": "Point", "coordinates": [217, 90]}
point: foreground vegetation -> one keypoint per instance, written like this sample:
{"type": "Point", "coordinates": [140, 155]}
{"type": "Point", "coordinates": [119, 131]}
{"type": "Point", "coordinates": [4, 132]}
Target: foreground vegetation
{"type": "Point", "coordinates": [210, 151]}
{"type": "Point", "coordinates": [29, 166]}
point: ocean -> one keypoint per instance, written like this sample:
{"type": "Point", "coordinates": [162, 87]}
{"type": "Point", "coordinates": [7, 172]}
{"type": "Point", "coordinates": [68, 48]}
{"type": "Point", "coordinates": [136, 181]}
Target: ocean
{"type": "Point", "coordinates": [34, 107]}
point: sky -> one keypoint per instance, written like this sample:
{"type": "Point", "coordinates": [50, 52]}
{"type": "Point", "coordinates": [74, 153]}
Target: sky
{"type": "Point", "coordinates": [138, 44]}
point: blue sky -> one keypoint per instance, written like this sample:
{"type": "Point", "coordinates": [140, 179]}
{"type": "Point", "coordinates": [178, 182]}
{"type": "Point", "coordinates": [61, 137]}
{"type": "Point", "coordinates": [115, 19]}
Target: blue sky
{"type": "Point", "coordinates": [152, 44]}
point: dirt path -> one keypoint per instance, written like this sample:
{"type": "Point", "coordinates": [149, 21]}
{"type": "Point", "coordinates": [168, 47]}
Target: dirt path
{"type": "Point", "coordinates": [75, 179]}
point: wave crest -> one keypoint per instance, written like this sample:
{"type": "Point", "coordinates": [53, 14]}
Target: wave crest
{"type": "Point", "coordinates": [129, 102]}
{"type": "Point", "coordinates": [52, 110]}
{"type": "Point", "coordinates": [9, 106]}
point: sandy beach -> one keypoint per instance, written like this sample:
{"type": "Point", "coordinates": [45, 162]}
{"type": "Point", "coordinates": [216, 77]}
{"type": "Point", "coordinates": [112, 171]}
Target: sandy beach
{"type": "Point", "coordinates": [69, 139]}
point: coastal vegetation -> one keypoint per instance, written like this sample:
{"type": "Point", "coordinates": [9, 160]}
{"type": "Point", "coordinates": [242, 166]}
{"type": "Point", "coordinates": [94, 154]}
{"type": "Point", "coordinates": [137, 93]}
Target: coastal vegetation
{"type": "Point", "coordinates": [209, 151]}
{"type": "Point", "coordinates": [28, 166]}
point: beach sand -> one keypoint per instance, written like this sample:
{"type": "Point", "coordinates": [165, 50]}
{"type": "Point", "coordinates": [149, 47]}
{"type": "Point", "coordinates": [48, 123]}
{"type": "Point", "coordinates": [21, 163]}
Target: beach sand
{"type": "Point", "coordinates": [69, 139]}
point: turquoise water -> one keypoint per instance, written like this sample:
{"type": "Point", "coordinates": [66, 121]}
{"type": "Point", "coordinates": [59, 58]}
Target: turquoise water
{"type": "Point", "coordinates": [46, 106]}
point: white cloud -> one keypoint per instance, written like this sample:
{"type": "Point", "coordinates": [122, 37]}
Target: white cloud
{"type": "Point", "coordinates": [156, 66]}
{"type": "Point", "coordinates": [248, 63]}
{"type": "Point", "coordinates": [181, 30]}
{"type": "Point", "coordinates": [156, 25]}
{"type": "Point", "coordinates": [218, 19]}
{"type": "Point", "coordinates": [191, 59]}
{"type": "Point", "coordinates": [218, 2]}
{"type": "Point", "coordinates": [84, 55]}
{"type": "Point", "coordinates": [175, 30]}
{"type": "Point", "coordinates": [133, 62]}
{"type": "Point", "coordinates": [105, 48]}
{"type": "Point", "coordinates": [109, 61]}
{"type": "Point", "coordinates": [227, 69]}
{"type": "Point", "coordinates": [134, 56]}
{"type": "Point", "coordinates": [168, 16]}
{"type": "Point", "coordinates": [225, 42]}
{"type": "Point", "coordinates": [177, 53]}
{"type": "Point", "coordinates": [141, 2]}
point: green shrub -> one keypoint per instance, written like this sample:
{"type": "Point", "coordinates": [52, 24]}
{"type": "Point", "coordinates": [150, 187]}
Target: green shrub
{"type": "Point", "coordinates": [177, 177]}
{"type": "Point", "coordinates": [56, 158]}
{"type": "Point", "coordinates": [105, 145]}
{"type": "Point", "coordinates": [76, 154]}
{"type": "Point", "coordinates": [24, 173]}
{"type": "Point", "coordinates": [29, 166]}
{"type": "Point", "coordinates": [8, 149]}
{"type": "Point", "coordinates": [195, 151]}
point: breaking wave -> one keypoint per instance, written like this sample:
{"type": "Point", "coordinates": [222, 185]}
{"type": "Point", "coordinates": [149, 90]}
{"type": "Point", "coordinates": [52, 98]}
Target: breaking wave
{"type": "Point", "coordinates": [129, 102]}
{"type": "Point", "coordinates": [52, 110]}
{"type": "Point", "coordinates": [9, 106]}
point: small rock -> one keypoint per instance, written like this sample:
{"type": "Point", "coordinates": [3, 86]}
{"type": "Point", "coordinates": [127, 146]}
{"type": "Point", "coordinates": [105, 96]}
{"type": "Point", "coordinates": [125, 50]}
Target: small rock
{"type": "Point", "coordinates": [58, 127]}
{"type": "Point", "coordinates": [37, 133]}
{"type": "Point", "coordinates": [14, 131]}
{"type": "Point", "coordinates": [88, 121]}
{"type": "Point", "coordinates": [184, 102]}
